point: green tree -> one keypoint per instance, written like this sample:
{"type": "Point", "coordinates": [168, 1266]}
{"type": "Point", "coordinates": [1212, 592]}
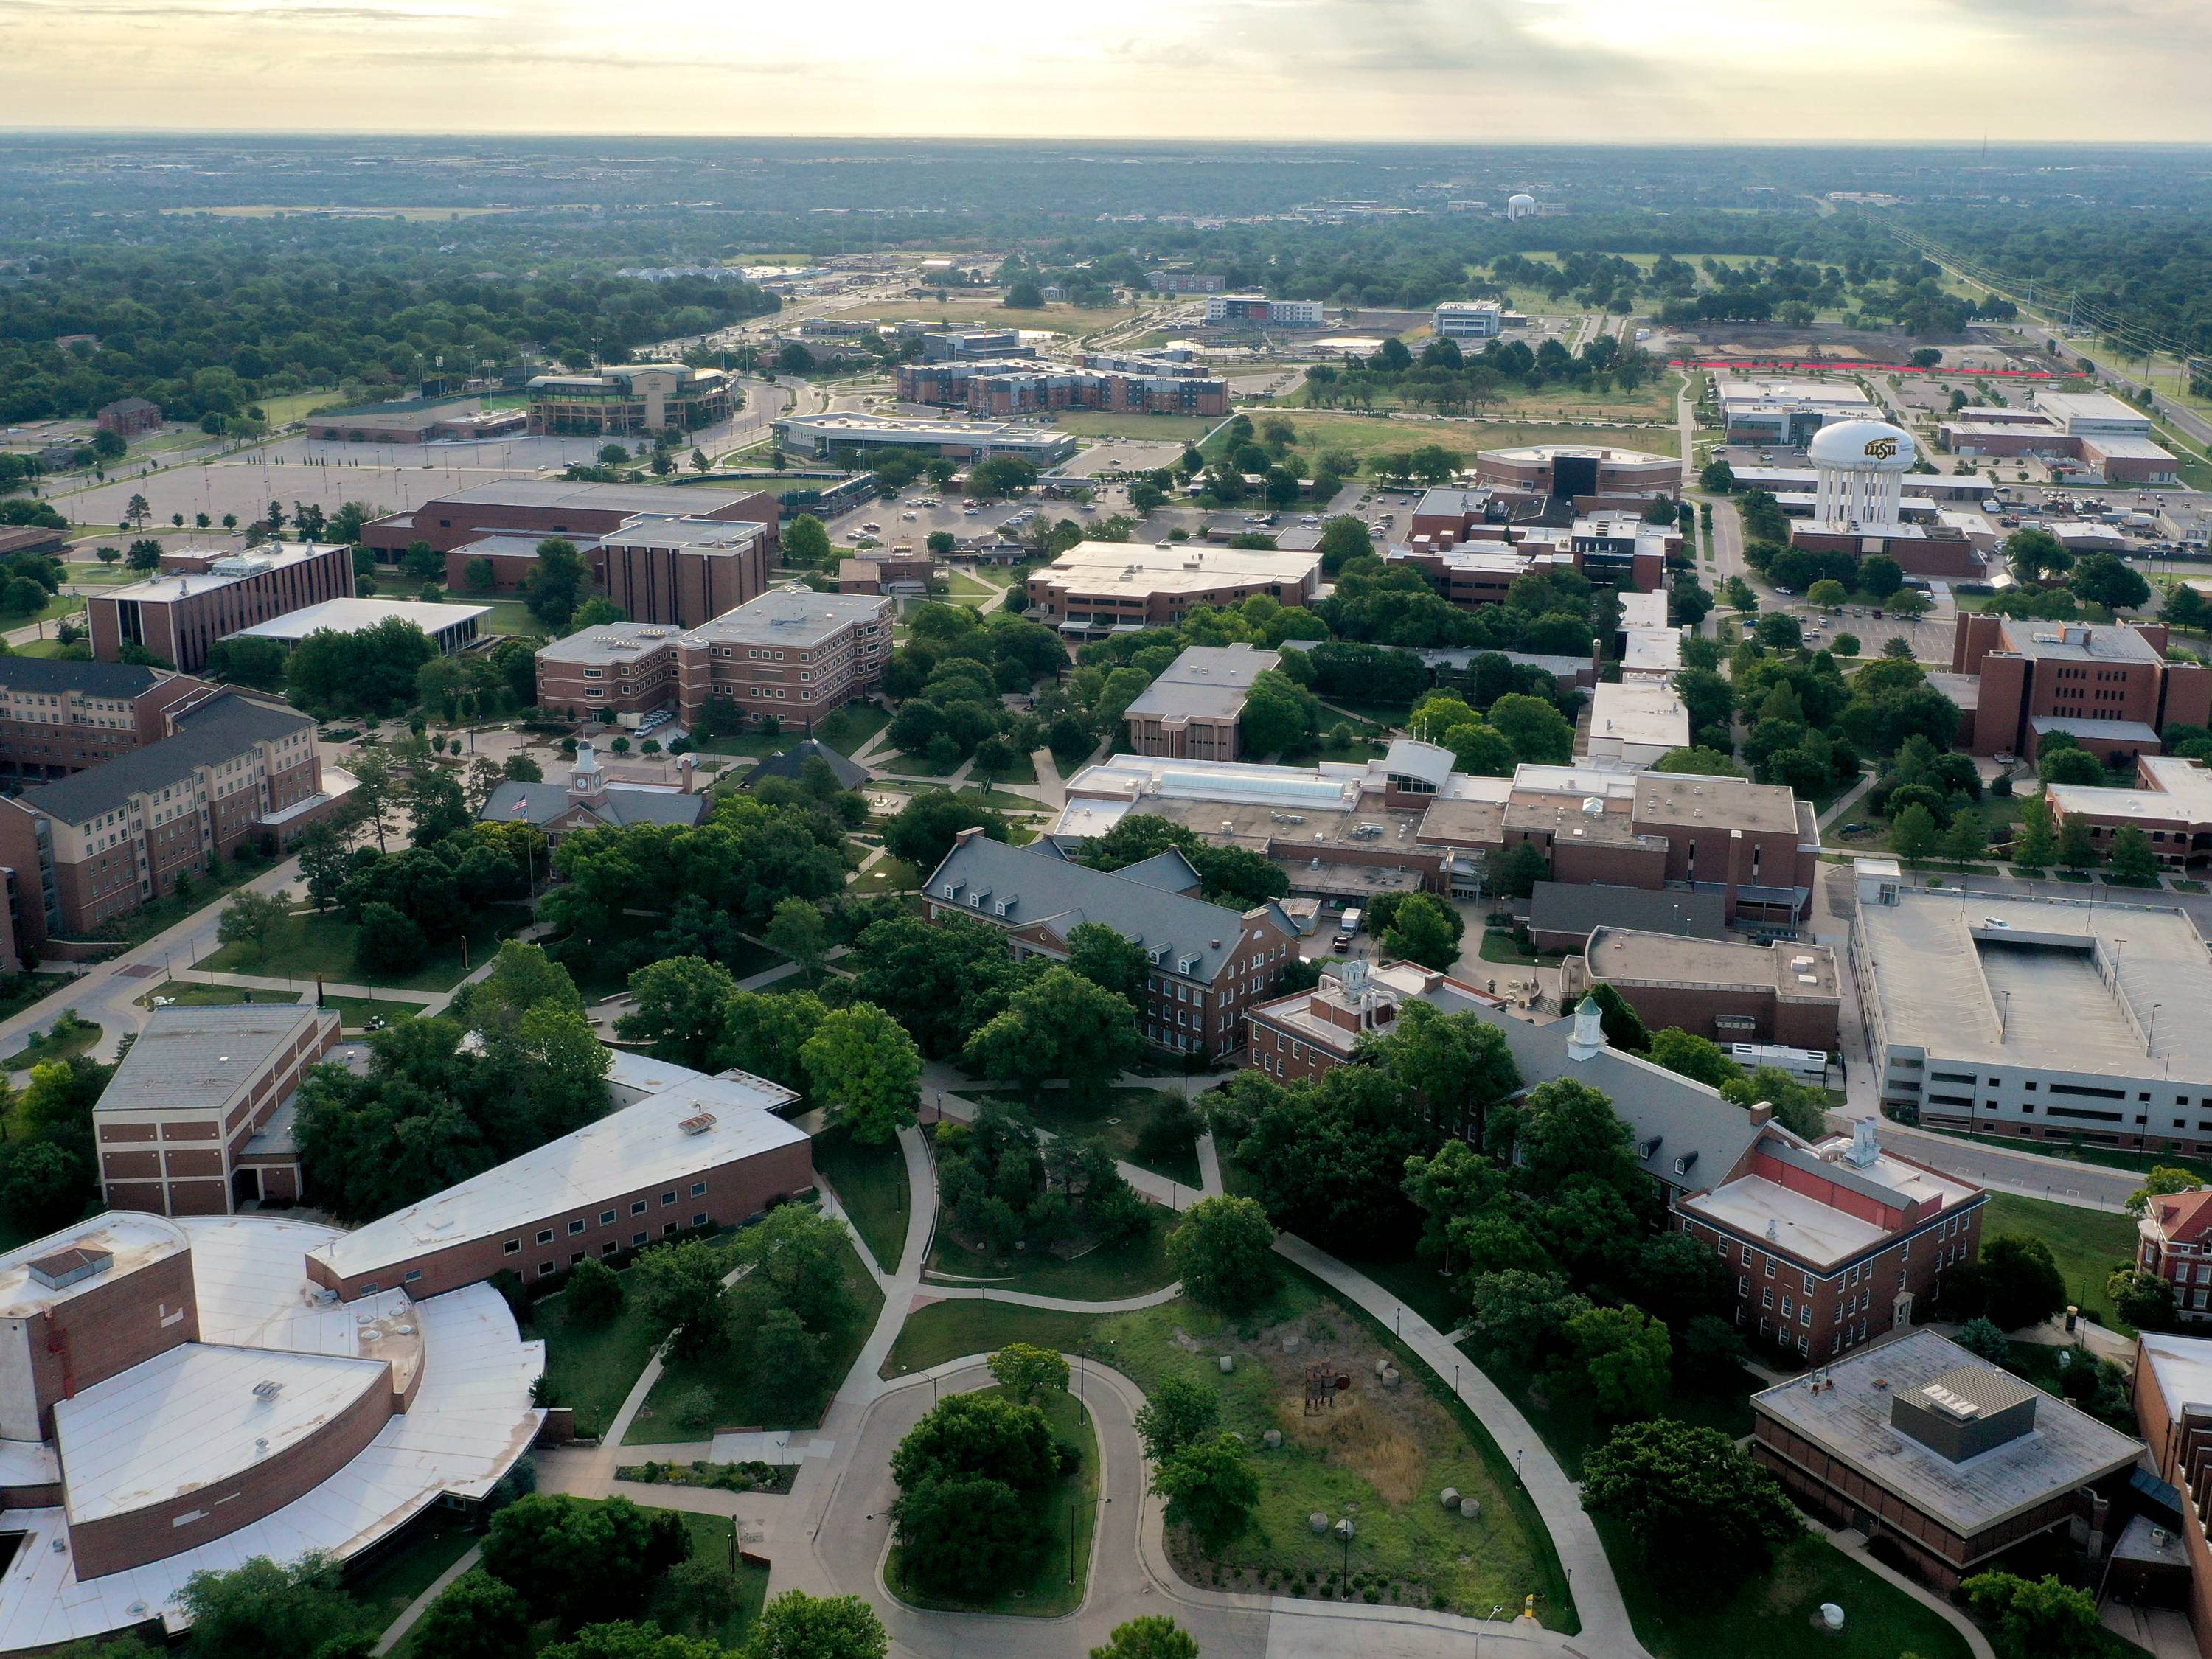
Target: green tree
{"type": "Point", "coordinates": [1208, 1488]}
{"type": "Point", "coordinates": [250, 918]}
{"type": "Point", "coordinates": [477, 1616]}
{"type": "Point", "coordinates": [797, 1258]}
{"type": "Point", "coordinates": [2077, 846]}
{"type": "Point", "coordinates": [1625, 1353]}
{"type": "Point", "coordinates": [1279, 714]}
{"type": "Point", "coordinates": [924, 829]}
{"type": "Point", "coordinates": [557, 583]}
{"type": "Point", "coordinates": [1108, 960]}
{"type": "Point", "coordinates": [1423, 930]}
{"type": "Point", "coordinates": [971, 1475]}
{"type": "Point", "coordinates": [594, 1293]}
{"type": "Point", "coordinates": [864, 1070]}
{"type": "Point", "coordinates": [2036, 1618]}
{"type": "Point", "coordinates": [2021, 1280]}
{"type": "Point", "coordinates": [2144, 1300]}
{"type": "Point", "coordinates": [1561, 1131]}
{"type": "Point", "coordinates": [1716, 477]}
{"type": "Point", "coordinates": [1521, 1315]}
{"type": "Point", "coordinates": [1696, 1057]}
{"type": "Point", "coordinates": [681, 1006]}
{"type": "Point", "coordinates": [678, 1287]}
{"type": "Point", "coordinates": [1155, 1636]}
{"type": "Point", "coordinates": [1025, 1370]}
{"type": "Point", "coordinates": [262, 1608]}
{"type": "Point", "coordinates": [2035, 554]}
{"type": "Point", "coordinates": [388, 944]}
{"type": "Point", "coordinates": [2069, 765]}
{"type": "Point", "coordinates": [582, 1562]}
{"type": "Point", "coordinates": [1223, 1252]}
{"type": "Point", "coordinates": [1178, 1413]}
{"type": "Point", "coordinates": [1827, 593]}
{"type": "Point", "coordinates": [2034, 844]}
{"type": "Point", "coordinates": [1457, 1065]}
{"type": "Point", "coordinates": [1968, 839]}
{"type": "Point", "coordinates": [1690, 1499]}
{"type": "Point", "coordinates": [2133, 862]}
{"type": "Point", "coordinates": [2163, 1179]}
{"type": "Point", "coordinates": [1540, 734]}
{"type": "Point", "coordinates": [798, 930]}
{"type": "Point", "coordinates": [1913, 835]}
{"type": "Point", "coordinates": [797, 1625]}
{"type": "Point", "coordinates": [1343, 539]}
{"type": "Point", "coordinates": [806, 541]}
{"type": "Point", "coordinates": [1058, 1025]}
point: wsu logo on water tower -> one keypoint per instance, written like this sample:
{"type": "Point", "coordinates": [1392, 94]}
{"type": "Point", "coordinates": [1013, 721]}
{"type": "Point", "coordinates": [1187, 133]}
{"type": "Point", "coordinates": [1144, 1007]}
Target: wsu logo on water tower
{"type": "Point", "coordinates": [1881, 449]}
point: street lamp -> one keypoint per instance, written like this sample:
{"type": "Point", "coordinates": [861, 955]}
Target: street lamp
{"type": "Point", "coordinates": [2150, 1037]}
{"type": "Point", "coordinates": [1345, 1530]}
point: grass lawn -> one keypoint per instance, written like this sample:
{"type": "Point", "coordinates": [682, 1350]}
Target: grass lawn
{"type": "Point", "coordinates": [19, 991]}
{"type": "Point", "coordinates": [953, 1330]}
{"type": "Point", "coordinates": [433, 1544]}
{"type": "Point", "coordinates": [710, 1541]}
{"type": "Point", "coordinates": [508, 616]}
{"type": "Point", "coordinates": [846, 729]}
{"type": "Point", "coordinates": [870, 1182]}
{"type": "Point", "coordinates": [989, 314]}
{"type": "Point", "coordinates": [1497, 945]}
{"type": "Point", "coordinates": [1107, 423]}
{"type": "Point", "coordinates": [591, 1368]}
{"type": "Point", "coordinates": [1098, 1274]}
{"type": "Point", "coordinates": [2087, 1243]}
{"type": "Point", "coordinates": [893, 875]}
{"type": "Point", "coordinates": [1071, 1514]}
{"type": "Point", "coordinates": [602, 973]}
{"type": "Point", "coordinates": [1024, 770]}
{"type": "Point", "coordinates": [304, 946]}
{"type": "Point", "coordinates": [694, 1398]}
{"type": "Point", "coordinates": [55, 1042]}
{"type": "Point", "coordinates": [1562, 1413]}
{"type": "Point", "coordinates": [1122, 1120]}
{"type": "Point", "coordinates": [190, 994]}
{"type": "Point", "coordinates": [1773, 1614]}
{"type": "Point", "coordinates": [355, 1012]}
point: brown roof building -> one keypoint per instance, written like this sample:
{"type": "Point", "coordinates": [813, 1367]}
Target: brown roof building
{"type": "Point", "coordinates": [1727, 990]}
{"type": "Point", "coordinates": [1096, 588]}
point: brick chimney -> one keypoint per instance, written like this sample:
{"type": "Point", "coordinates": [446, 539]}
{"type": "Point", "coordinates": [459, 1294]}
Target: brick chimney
{"type": "Point", "coordinates": [1762, 1111]}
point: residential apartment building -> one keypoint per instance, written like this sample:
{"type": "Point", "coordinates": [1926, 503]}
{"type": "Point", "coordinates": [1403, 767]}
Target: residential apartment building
{"type": "Point", "coordinates": [2171, 803]}
{"type": "Point", "coordinates": [1253, 309]}
{"type": "Point", "coordinates": [1001, 389]}
{"type": "Point", "coordinates": [101, 842]}
{"type": "Point", "coordinates": [1208, 964]}
{"type": "Point", "coordinates": [627, 399]}
{"type": "Point", "coordinates": [791, 652]}
{"type": "Point", "coordinates": [2174, 1241]}
{"type": "Point", "coordinates": [1727, 990]}
{"type": "Point", "coordinates": [1937, 1456]}
{"type": "Point", "coordinates": [2044, 1019]}
{"type": "Point", "coordinates": [1192, 710]}
{"type": "Point", "coordinates": [2110, 687]}
{"type": "Point", "coordinates": [177, 619]}
{"type": "Point", "coordinates": [1096, 586]}
{"type": "Point", "coordinates": [694, 1151]}
{"type": "Point", "coordinates": [1187, 281]}
{"type": "Point", "coordinates": [129, 416]}
{"type": "Point", "coordinates": [59, 717]}
{"type": "Point", "coordinates": [197, 1119]}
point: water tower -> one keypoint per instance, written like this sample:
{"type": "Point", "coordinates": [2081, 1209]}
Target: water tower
{"type": "Point", "coordinates": [1860, 467]}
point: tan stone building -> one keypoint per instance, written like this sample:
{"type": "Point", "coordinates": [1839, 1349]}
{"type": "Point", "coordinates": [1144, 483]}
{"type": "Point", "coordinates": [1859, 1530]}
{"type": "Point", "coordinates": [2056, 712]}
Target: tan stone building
{"type": "Point", "coordinates": [1192, 711]}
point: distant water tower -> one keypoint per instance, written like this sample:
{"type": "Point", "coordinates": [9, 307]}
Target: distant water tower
{"type": "Point", "coordinates": [1859, 469]}
{"type": "Point", "coordinates": [1520, 205]}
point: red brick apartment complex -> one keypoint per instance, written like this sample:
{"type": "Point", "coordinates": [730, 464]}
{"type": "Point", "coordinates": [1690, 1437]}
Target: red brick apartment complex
{"type": "Point", "coordinates": [793, 653]}
{"type": "Point", "coordinates": [177, 617]}
{"type": "Point", "coordinates": [99, 843]}
{"type": "Point", "coordinates": [2112, 688]}
{"type": "Point", "coordinates": [1028, 388]}
{"type": "Point", "coordinates": [1209, 964]}
{"type": "Point", "coordinates": [60, 717]}
{"type": "Point", "coordinates": [1095, 587]}
{"type": "Point", "coordinates": [191, 1125]}
{"type": "Point", "coordinates": [699, 1151]}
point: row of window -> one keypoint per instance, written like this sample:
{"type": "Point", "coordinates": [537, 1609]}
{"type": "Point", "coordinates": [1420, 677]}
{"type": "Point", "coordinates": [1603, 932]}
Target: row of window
{"type": "Point", "coordinates": [607, 1218]}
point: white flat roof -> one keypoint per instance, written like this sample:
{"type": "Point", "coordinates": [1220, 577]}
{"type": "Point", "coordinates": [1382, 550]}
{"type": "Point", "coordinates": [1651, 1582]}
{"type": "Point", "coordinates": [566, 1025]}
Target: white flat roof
{"type": "Point", "coordinates": [192, 1417]}
{"type": "Point", "coordinates": [1643, 611]}
{"type": "Point", "coordinates": [1641, 712]}
{"type": "Point", "coordinates": [355, 615]}
{"type": "Point", "coordinates": [2183, 1366]}
{"type": "Point", "coordinates": [269, 555]}
{"type": "Point", "coordinates": [630, 1148]}
{"type": "Point", "coordinates": [1822, 1233]}
{"type": "Point", "coordinates": [2183, 792]}
{"type": "Point", "coordinates": [469, 1421]}
{"type": "Point", "coordinates": [1098, 567]}
{"type": "Point", "coordinates": [132, 1237]}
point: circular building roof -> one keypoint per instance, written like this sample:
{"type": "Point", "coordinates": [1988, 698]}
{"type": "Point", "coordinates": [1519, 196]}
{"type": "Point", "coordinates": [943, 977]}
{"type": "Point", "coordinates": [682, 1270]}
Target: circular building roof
{"type": "Point", "coordinates": [1863, 446]}
{"type": "Point", "coordinates": [1521, 199]}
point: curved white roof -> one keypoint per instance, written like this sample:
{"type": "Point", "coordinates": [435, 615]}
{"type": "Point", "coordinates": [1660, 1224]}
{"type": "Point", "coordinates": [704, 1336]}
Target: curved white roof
{"type": "Point", "coordinates": [1864, 447]}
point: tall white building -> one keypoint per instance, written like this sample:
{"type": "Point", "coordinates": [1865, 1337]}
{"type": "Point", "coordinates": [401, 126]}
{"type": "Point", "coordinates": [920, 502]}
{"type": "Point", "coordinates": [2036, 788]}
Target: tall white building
{"type": "Point", "coordinates": [1469, 319]}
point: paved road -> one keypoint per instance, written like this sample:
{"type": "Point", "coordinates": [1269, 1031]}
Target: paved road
{"type": "Point", "coordinates": [2063, 1180]}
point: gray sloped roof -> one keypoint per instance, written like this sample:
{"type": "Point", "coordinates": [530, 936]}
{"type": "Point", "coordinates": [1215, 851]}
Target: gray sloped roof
{"type": "Point", "coordinates": [1560, 906]}
{"type": "Point", "coordinates": [90, 679]}
{"type": "Point", "coordinates": [793, 761]}
{"type": "Point", "coordinates": [1170, 869]}
{"type": "Point", "coordinates": [1042, 890]}
{"type": "Point", "coordinates": [216, 731]}
{"type": "Point", "coordinates": [620, 807]}
{"type": "Point", "coordinates": [198, 1058]}
{"type": "Point", "coordinates": [1686, 1118]}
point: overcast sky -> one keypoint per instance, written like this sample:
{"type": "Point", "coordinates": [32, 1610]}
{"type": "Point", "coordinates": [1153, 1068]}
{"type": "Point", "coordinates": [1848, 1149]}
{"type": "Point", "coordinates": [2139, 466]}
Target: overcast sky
{"type": "Point", "coordinates": [1563, 70]}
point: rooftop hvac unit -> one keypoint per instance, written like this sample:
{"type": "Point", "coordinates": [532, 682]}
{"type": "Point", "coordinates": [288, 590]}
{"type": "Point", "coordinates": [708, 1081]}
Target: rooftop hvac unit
{"type": "Point", "coordinates": [697, 1124]}
{"type": "Point", "coordinates": [268, 1389]}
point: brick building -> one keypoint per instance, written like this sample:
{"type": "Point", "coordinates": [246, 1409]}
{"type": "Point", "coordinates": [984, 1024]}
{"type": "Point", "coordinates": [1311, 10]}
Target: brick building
{"type": "Point", "coordinates": [196, 1120]}
{"type": "Point", "coordinates": [1933, 1453]}
{"type": "Point", "coordinates": [59, 717]}
{"type": "Point", "coordinates": [1192, 710]}
{"type": "Point", "coordinates": [589, 801]}
{"type": "Point", "coordinates": [2171, 803]}
{"type": "Point", "coordinates": [416, 421]}
{"type": "Point", "coordinates": [1209, 964]}
{"type": "Point", "coordinates": [1588, 477]}
{"type": "Point", "coordinates": [128, 417]}
{"type": "Point", "coordinates": [2174, 1241]}
{"type": "Point", "coordinates": [2173, 1412]}
{"type": "Point", "coordinates": [700, 1151]}
{"type": "Point", "coordinates": [2110, 687]}
{"type": "Point", "coordinates": [1096, 586]}
{"type": "Point", "coordinates": [889, 570]}
{"type": "Point", "coordinates": [792, 653]}
{"type": "Point", "coordinates": [683, 572]}
{"type": "Point", "coordinates": [99, 843]}
{"type": "Point", "coordinates": [177, 619]}
{"type": "Point", "coordinates": [1727, 990]}
{"type": "Point", "coordinates": [174, 1400]}
{"type": "Point", "coordinates": [530, 509]}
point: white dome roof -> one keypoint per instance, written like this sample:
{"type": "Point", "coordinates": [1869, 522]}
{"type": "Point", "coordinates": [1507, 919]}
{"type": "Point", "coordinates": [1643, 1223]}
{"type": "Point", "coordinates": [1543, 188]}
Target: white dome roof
{"type": "Point", "coordinates": [1521, 199]}
{"type": "Point", "coordinates": [1864, 447]}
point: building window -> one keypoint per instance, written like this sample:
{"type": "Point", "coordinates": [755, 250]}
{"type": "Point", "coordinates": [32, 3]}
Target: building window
{"type": "Point", "coordinates": [412, 1276]}
{"type": "Point", "coordinates": [698, 1189]}
{"type": "Point", "coordinates": [1765, 1300]}
{"type": "Point", "coordinates": [667, 1199]}
{"type": "Point", "coordinates": [638, 1208]}
{"type": "Point", "coordinates": [546, 1236]}
{"type": "Point", "coordinates": [606, 1217]}
{"type": "Point", "coordinates": [700, 1219]}
{"type": "Point", "coordinates": [545, 1270]}
{"type": "Point", "coordinates": [577, 1226]}
{"type": "Point", "coordinates": [512, 1246]}
{"type": "Point", "coordinates": [637, 1239]}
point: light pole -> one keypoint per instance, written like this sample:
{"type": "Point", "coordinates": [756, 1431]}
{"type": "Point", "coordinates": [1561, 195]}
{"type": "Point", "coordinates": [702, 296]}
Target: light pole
{"type": "Point", "coordinates": [1345, 1530]}
{"type": "Point", "coordinates": [2150, 1038]}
